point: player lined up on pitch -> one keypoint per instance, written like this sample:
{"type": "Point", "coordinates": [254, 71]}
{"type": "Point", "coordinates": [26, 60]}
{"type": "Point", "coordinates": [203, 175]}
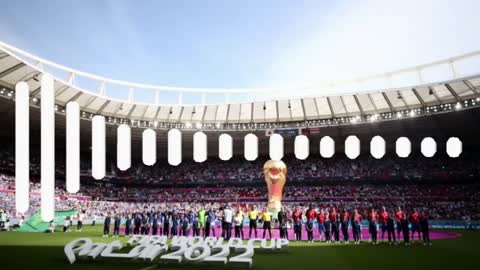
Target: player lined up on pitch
{"type": "Point", "coordinates": [328, 224]}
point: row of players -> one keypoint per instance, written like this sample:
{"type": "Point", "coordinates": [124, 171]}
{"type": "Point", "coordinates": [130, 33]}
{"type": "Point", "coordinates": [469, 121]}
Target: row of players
{"type": "Point", "coordinates": [329, 222]}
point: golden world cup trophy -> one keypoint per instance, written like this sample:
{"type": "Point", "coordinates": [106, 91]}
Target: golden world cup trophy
{"type": "Point", "coordinates": [275, 172]}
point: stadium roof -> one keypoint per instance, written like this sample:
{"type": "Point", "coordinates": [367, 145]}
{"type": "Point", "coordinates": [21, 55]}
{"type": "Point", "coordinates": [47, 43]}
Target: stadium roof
{"type": "Point", "coordinates": [17, 65]}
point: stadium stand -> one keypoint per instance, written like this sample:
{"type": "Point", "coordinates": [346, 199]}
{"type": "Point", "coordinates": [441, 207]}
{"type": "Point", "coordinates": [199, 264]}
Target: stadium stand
{"type": "Point", "coordinates": [446, 187]}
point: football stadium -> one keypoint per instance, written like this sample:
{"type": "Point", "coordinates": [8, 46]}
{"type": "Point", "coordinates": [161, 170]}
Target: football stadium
{"type": "Point", "coordinates": [379, 170]}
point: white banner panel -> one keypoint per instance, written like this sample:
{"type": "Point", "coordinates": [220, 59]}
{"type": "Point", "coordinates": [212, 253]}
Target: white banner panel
{"type": "Point", "coordinates": [454, 147]}
{"type": "Point", "coordinates": [47, 163]}
{"type": "Point", "coordinates": [276, 147]}
{"type": "Point", "coordinates": [428, 147]}
{"type": "Point", "coordinates": [22, 150]}
{"type": "Point", "coordinates": [352, 147]}
{"type": "Point", "coordinates": [377, 147]}
{"type": "Point", "coordinates": [149, 147]}
{"type": "Point", "coordinates": [72, 173]}
{"type": "Point", "coordinates": [327, 147]}
{"type": "Point", "coordinates": [124, 148]}
{"type": "Point", "coordinates": [199, 146]}
{"type": "Point", "coordinates": [225, 147]}
{"type": "Point", "coordinates": [403, 147]}
{"type": "Point", "coordinates": [98, 147]}
{"type": "Point", "coordinates": [174, 147]}
{"type": "Point", "coordinates": [302, 147]}
{"type": "Point", "coordinates": [250, 150]}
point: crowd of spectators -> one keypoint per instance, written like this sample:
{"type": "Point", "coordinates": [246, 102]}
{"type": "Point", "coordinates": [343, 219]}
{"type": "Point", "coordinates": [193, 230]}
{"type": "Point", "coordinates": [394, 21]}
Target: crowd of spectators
{"type": "Point", "coordinates": [315, 168]}
{"type": "Point", "coordinates": [444, 201]}
{"type": "Point", "coordinates": [362, 183]}
{"type": "Point", "coordinates": [239, 170]}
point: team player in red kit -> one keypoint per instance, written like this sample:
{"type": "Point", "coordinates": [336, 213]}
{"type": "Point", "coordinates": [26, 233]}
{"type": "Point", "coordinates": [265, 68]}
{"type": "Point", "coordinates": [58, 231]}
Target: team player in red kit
{"type": "Point", "coordinates": [335, 221]}
{"type": "Point", "coordinates": [311, 214]}
{"type": "Point", "coordinates": [391, 230]}
{"type": "Point", "coordinates": [383, 219]}
{"type": "Point", "coordinates": [398, 221]}
{"type": "Point", "coordinates": [356, 221]}
{"type": "Point", "coordinates": [372, 225]}
{"type": "Point", "coordinates": [415, 221]}
{"type": "Point", "coordinates": [345, 220]}
{"type": "Point", "coordinates": [321, 216]}
{"type": "Point", "coordinates": [297, 224]}
{"type": "Point", "coordinates": [328, 227]}
{"type": "Point", "coordinates": [333, 214]}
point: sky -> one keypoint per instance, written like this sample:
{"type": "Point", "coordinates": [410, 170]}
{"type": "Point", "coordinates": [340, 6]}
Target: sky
{"type": "Point", "coordinates": [242, 44]}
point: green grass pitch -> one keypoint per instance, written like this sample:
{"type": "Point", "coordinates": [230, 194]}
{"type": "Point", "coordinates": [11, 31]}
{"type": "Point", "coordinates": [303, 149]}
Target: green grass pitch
{"type": "Point", "coordinates": [45, 251]}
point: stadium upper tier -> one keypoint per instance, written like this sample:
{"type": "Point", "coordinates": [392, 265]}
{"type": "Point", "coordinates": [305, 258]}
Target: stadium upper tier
{"type": "Point", "coordinates": [456, 93]}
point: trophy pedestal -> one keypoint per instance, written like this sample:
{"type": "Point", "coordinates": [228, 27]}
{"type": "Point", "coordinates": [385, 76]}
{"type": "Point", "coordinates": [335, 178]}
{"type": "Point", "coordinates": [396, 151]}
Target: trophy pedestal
{"type": "Point", "coordinates": [274, 213]}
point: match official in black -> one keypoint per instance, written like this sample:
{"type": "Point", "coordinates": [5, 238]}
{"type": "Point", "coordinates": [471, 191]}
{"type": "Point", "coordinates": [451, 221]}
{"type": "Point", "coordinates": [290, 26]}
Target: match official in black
{"type": "Point", "coordinates": [425, 227]}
